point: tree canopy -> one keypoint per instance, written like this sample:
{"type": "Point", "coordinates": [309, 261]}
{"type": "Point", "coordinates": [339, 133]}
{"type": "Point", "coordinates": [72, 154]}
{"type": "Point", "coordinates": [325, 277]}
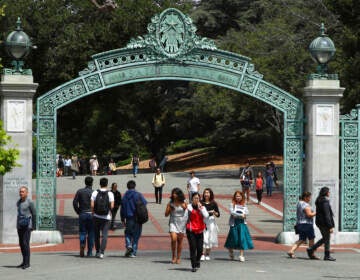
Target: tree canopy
{"type": "Point", "coordinates": [155, 117]}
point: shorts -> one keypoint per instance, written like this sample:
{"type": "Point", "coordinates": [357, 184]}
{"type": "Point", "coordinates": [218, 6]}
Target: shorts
{"type": "Point", "coordinates": [306, 231]}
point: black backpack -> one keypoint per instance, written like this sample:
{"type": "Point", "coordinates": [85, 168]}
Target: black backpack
{"type": "Point", "coordinates": [141, 212]}
{"type": "Point", "coordinates": [101, 205]}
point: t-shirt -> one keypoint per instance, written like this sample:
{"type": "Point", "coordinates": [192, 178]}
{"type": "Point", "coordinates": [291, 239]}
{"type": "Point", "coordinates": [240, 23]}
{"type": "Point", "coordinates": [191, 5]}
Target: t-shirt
{"type": "Point", "coordinates": [301, 216]}
{"type": "Point", "coordinates": [259, 183]}
{"type": "Point", "coordinates": [111, 199]}
{"type": "Point", "coordinates": [193, 184]}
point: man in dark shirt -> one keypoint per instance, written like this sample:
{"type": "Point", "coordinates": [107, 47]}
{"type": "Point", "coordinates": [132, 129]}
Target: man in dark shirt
{"type": "Point", "coordinates": [81, 204]}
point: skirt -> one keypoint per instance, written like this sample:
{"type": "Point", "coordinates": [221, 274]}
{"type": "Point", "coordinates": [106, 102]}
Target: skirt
{"type": "Point", "coordinates": [239, 237]}
{"type": "Point", "coordinates": [211, 233]}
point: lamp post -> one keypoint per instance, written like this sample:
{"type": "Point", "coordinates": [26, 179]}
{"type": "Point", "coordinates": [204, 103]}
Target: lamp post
{"type": "Point", "coordinates": [322, 49]}
{"type": "Point", "coordinates": [18, 46]}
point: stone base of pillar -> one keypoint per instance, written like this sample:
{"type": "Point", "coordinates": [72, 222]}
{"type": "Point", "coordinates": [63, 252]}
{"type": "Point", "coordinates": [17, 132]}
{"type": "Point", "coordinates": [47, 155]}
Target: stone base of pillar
{"type": "Point", "coordinates": [289, 238]}
{"type": "Point", "coordinates": [286, 237]}
{"type": "Point", "coordinates": [47, 236]}
{"type": "Point", "coordinates": [342, 237]}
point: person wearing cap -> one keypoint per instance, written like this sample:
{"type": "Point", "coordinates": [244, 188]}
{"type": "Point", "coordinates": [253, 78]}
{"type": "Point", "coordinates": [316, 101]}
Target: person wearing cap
{"type": "Point", "coordinates": [193, 184]}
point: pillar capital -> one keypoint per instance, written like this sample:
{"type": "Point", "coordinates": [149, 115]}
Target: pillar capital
{"type": "Point", "coordinates": [326, 90]}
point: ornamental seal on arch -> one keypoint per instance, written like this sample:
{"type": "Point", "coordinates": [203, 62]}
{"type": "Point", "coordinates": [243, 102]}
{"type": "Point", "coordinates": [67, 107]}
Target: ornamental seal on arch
{"type": "Point", "coordinates": [171, 35]}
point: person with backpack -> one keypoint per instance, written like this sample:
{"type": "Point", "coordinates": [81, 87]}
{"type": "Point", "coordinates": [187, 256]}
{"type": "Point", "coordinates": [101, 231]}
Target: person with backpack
{"type": "Point", "coordinates": [133, 214]}
{"type": "Point", "coordinates": [82, 206]}
{"type": "Point", "coordinates": [158, 183]}
{"type": "Point", "coordinates": [102, 202]}
{"type": "Point", "coordinates": [135, 164]}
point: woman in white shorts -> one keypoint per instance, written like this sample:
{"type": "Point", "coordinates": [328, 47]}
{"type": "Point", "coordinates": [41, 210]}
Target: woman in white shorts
{"type": "Point", "coordinates": [177, 210]}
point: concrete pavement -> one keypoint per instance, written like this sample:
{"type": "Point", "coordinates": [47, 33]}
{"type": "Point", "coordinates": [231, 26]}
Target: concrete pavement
{"type": "Point", "coordinates": [267, 261]}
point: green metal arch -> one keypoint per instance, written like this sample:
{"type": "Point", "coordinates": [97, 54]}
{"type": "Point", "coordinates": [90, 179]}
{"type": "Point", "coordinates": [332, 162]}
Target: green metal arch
{"type": "Point", "coordinates": [170, 51]}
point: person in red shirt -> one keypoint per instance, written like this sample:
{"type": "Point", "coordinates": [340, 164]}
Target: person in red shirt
{"type": "Point", "coordinates": [195, 228]}
{"type": "Point", "coordinates": [259, 183]}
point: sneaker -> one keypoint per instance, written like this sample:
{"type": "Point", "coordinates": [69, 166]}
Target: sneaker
{"type": "Point", "coordinates": [329, 258]}
{"type": "Point", "coordinates": [25, 266]}
{"type": "Point", "coordinates": [128, 252]}
{"type": "Point", "coordinates": [207, 258]}
{"type": "Point", "coordinates": [242, 258]}
{"type": "Point", "coordinates": [132, 256]}
{"type": "Point", "coordinates": [101, 256]}
{"type": "Point", "coordinates": [193, 269]}
{"type": "Point", "coordinates": [202, 258]}
{"type": "Point", "coordinates": [97, 255]}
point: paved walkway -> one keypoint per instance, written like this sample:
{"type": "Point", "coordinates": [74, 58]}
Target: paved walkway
{"type": "Point", "coordinates": [264, 221]}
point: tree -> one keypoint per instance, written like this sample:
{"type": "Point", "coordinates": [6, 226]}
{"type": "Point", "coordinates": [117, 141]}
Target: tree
{"type": "Point", "coordinates": [8, 155]}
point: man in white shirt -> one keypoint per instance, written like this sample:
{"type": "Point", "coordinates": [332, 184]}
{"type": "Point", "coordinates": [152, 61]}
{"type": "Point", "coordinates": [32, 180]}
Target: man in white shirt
{"type": "Point", "coordinates": [193, 184]}
{"type": "Point", "coordinates": [158, 183]}
{"type": "Point", "coordinates": [67, 164]}
{"type": "Point", "coordinates": [102, 201]}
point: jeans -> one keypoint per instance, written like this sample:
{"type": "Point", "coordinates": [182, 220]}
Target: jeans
{"type": "Point", "coordinates": [113, 216]}
{"type": "Point", "coordinates": [135, 169]}
{"type": "Point", "coordinates": [24, 242]}
{"type": "Point", "coordinates": [103, 226]}
{"type": "Point", "coordinates": [196, 247]}
{"type": "Point", "coordinates": [269, 185]}
{"type": "Point", "coordinates": [158, 194]}
{"type": "Point", "coordinates": [86, 228]}
{"type": "Point", "coordinates": [132, 234]}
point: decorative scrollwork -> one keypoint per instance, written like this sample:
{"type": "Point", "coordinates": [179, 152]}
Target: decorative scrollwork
{"type": "Point", "coordinates": [350, 171]}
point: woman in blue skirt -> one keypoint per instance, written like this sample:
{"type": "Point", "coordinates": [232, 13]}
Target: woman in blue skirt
{"type": "Point", "coordinates": [238, 237]}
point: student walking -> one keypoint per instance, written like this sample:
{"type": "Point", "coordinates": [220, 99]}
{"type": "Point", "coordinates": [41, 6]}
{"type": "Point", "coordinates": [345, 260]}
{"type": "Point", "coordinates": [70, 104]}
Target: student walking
{"type": "Point", "coordinates": [304, 224]}
{"type": "Point", "coordinates": [117, 204]}
{"type": "Point", "coordinates": [82, 206]}
{"type": "Point", "coordinates": [177, 210]}
{"type": "Point", "coordinates": [194, 230]}
{"type": "Point", "coordinates": [25, 223]}
{"type": "Point", "coordinates": [259, 185]}
{"type": "Point", "coordinates": [102, 201]}
{"type": "Point", "coordinates": [238, 237]}
{"type": "Point", "coordinates": [193, 184]}
{"type": "Point", "coordinates": [325, 222]}
{"type": "Point", "coordinates": [133, 229]}
{"type": "Point", "coordinates": [211, 231]}
{"type": "Point", "coordinates": [158, 183]}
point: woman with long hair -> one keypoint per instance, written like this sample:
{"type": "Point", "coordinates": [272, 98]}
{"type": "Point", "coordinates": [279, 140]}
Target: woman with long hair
{"type": "Point", "coordinates": [211, 231]}
{"type": "Point", "coordinates": [238, 237]}
{"type": "Point", "coordinates": [177, 210]}
{"type": "Point", "coordinates": [195, 228]}
{"type": "Point", "coordinates": [325, 222]}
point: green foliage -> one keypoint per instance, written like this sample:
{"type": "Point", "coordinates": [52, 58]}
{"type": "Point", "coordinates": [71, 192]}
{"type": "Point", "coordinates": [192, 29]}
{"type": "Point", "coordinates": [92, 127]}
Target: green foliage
{"type": "Point", "coordinates": [146, 118]}
{"type": "Point", "coordinates": [184, 145]}
{"type": "Point", "coordinates": [8, 155]}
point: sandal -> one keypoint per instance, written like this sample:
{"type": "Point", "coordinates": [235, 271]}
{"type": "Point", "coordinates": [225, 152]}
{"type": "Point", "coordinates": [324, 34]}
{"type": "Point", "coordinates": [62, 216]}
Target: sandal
{"type": "Point", "coordinates": [173, 261]}
{"type": "Point", "coordinates": [291, 255]}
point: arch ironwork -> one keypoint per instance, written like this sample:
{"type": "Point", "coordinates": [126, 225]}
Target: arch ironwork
{"type": "Point", "coordinates": [170, 50]}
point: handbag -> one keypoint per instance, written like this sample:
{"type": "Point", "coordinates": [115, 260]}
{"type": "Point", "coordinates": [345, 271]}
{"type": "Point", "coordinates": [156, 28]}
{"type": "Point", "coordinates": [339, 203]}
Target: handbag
{"type": "Point", "coordinates": [296, 229]}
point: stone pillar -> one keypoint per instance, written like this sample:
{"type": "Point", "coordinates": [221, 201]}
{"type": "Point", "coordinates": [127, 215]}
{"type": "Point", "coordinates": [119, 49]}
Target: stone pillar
{"type": "Point", "coordinates": [322, 154]}
{"type": "Point", "coordinates": [16, 95]}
